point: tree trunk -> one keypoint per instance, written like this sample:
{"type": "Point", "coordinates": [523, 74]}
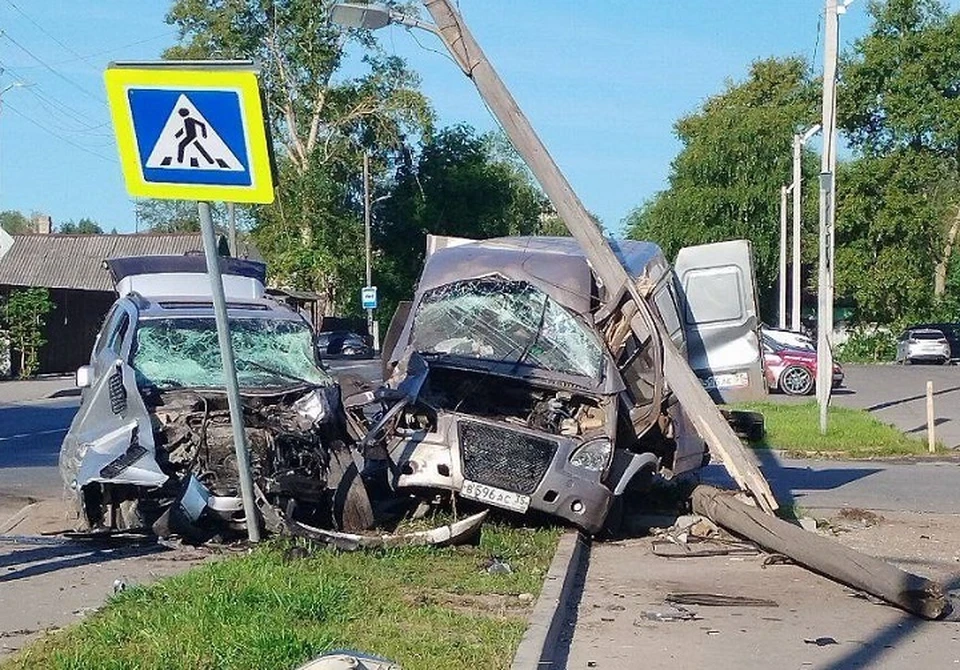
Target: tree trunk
{"type": "Point", "coordinates": [940, 274]}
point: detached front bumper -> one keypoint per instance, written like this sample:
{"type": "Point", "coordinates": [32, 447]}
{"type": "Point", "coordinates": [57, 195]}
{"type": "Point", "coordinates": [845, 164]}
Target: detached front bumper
{"type": "Point", "coordinates": [506, 457]}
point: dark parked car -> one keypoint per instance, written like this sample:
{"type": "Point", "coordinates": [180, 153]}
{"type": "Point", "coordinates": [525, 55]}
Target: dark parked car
{"type": "Point", "coordinates": [342, 343]}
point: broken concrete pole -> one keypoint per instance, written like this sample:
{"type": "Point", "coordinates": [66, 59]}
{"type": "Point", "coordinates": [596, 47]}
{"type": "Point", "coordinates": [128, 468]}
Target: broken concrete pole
{"type": "Point", "coordinates": [913, 593]}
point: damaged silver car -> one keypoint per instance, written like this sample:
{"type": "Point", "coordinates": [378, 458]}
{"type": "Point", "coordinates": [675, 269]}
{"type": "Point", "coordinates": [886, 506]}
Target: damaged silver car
{"type": "Point", "coordinates": [518, 383]}
{"type": "Point", "coordinates": [151, 446]}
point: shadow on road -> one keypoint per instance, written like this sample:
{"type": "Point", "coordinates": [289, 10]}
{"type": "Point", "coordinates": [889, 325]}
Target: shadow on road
{"type": "Point", "coordinates": [906, 626]}
{"type": "Point", "coordinates": [902, 401]}
{"type": "Point", "coordinates": [787, 480]}
{"type": "Point", "coordinates": [41, 560]}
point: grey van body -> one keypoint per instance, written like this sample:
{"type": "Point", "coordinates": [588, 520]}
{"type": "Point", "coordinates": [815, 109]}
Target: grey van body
{"type": "Point", "coordinates": [514, 396]}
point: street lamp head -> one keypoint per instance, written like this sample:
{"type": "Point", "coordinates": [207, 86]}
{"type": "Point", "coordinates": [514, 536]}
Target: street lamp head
{"type": "Point", "coordinates": [364, 17]}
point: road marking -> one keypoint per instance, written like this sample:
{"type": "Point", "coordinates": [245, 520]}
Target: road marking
{"type": "Point", "coordinates": [21, 436]}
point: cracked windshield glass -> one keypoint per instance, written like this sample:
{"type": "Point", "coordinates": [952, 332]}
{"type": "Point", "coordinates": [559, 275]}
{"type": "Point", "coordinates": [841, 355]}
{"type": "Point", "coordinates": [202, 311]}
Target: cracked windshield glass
{"type": "Point", "coordinates": [184, 352]}
{"type": "Point", "coordinates": [501, 320]}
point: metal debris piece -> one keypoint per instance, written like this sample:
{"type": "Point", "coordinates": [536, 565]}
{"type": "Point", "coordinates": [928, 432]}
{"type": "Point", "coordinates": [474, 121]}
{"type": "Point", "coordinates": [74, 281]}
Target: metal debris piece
{"type": "Point", "coordinates": [452, 534]}
{"type": "Point", "coordinates": [821, 641]}
{"type": "Point", "coordinates": [718, 600]}
{"type": "Point", "coordinates": [674, 613]}
{"type": "Point", "coordinates": [498, 567]}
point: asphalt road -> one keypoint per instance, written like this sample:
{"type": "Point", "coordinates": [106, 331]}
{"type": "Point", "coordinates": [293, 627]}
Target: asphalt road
{"type": "Point", "coordinates": [30, 436]}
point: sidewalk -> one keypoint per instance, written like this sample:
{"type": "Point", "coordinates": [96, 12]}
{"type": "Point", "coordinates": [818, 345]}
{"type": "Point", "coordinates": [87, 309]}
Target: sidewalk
{"type": "Point", "coordinates": [625, 622]}
{"type": "Point", "coordinates": [16, 391]}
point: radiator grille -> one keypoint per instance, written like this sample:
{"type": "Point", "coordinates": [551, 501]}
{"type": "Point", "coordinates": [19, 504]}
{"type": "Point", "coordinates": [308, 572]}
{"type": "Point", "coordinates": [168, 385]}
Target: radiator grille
{"type": "Point", "coordinates": [502, 457]}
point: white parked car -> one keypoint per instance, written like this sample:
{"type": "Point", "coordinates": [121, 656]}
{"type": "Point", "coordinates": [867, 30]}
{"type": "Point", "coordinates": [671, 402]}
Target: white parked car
{"type": "Point", "coordinates": [789, 338]}
{"type": "Point", "coordinates": [923, 344]}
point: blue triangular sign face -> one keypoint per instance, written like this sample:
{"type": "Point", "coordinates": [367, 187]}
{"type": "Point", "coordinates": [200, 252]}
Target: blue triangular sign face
{"type": "Point", "coordinates": [190, 136]}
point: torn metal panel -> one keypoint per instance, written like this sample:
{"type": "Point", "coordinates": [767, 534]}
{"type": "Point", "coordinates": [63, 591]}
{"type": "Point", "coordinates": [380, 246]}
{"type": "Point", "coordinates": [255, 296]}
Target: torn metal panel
{"type": "Point", "coordinates": [459, 532]}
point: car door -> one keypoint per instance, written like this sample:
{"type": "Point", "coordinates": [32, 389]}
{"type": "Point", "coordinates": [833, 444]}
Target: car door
{"type": "Point", "coordinates": [720, 319]}
{"type": "Point", "coordinates": [110, 440]}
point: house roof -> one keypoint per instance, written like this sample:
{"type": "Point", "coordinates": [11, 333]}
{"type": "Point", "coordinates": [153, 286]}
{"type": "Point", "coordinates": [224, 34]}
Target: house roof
{"type": "Point", "coordinates": [76, 261]}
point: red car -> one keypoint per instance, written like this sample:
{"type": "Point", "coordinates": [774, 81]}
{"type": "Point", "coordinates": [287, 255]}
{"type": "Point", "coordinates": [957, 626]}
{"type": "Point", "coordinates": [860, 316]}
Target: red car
{"type": "Point", "coordinates": [793, 371]}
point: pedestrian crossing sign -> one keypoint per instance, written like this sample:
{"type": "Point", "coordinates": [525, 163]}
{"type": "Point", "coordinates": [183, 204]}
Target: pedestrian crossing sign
{"type": "Point", "coordinates": [191, 131]}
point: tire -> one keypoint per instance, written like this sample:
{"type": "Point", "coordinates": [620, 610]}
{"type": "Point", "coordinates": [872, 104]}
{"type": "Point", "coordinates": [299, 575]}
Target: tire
{"type": "Point", "coordinates": [796, 381]}
{"type": "Point", "coordinates": [351, 510]}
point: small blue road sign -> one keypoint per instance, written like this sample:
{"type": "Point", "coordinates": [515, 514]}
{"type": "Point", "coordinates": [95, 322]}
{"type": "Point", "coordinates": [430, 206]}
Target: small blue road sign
{"type": "Point", "coordinates": [368, 297]}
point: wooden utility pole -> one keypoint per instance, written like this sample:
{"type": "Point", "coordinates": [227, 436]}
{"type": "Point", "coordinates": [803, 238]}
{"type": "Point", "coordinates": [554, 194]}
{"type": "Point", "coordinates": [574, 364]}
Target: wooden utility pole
{"type": "Point", "coordinates": [697, 404]}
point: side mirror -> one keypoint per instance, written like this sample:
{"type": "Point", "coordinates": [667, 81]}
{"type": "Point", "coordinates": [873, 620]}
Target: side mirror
{"type": "Point", "coordinates": [85, 376]}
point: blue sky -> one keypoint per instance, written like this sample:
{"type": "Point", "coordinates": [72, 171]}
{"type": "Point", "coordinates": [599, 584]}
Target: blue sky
{"type": "Point", "coordinates": [601, 81]}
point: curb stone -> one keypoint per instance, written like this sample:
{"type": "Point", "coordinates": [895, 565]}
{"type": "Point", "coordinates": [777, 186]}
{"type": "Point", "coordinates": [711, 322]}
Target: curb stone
{"type": "Point", "coordinates": [547, 623]}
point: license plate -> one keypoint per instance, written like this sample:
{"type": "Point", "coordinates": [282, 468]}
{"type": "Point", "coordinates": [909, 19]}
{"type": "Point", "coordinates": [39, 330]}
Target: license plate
{"type": "Point", "coordinates": [494, 496]}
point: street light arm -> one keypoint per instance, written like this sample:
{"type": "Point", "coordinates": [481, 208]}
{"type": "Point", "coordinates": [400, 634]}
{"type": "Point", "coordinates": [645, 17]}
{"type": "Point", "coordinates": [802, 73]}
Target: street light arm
{"type": "Point", "coordinates": [813, 130]}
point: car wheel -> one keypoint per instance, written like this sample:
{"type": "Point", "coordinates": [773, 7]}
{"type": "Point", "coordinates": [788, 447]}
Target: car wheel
{"type": "Point", "coordinates": [796, 380]}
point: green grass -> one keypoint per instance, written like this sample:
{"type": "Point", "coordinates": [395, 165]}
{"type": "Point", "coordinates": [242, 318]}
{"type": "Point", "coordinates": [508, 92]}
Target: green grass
{"type": "Point", "coordinates": [421, 607]}
{"type": "Point", "coordinates": [851, 433]}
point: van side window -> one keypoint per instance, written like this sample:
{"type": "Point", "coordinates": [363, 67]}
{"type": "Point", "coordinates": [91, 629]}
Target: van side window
{"type": "Point", "coordinates": [116, 337]}
{"type": "Point", "coordinates": [667, 307]}
{"type": "Point", "coordinates": [104, 335]}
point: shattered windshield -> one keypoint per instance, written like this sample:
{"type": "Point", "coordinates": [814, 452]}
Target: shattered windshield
{"type": "Point", "coordinates": [501, 320]}
{"type": "Point", "coordinates": [185, 353]}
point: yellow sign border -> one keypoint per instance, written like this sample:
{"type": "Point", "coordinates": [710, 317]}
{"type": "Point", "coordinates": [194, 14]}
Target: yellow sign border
{"type": "Point", "coordinates": [195, 78]}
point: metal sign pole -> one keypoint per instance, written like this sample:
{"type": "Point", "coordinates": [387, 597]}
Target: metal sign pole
{"type": "Point", "coordinates": [229, 371]}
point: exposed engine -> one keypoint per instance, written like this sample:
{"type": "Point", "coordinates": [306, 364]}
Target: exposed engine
{"type": "Point", "coordinates": [505, 399]}
{"type": "Point", "coordinates": [299, 462]}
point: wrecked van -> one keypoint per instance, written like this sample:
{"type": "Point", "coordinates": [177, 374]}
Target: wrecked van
{"type": "Point", "coordinates": [151, 446]}
{"type": "Point", "coordinates": [520, 384]}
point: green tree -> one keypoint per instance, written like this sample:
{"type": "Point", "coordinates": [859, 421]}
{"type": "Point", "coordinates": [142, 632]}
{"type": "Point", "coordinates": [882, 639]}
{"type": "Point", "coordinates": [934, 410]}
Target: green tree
{"type": "Point", "coordinates": [321, 124]}
{"type": "Point", "coordinates": [24, 315]}
{"type": "Point", "coordinates": [458, 186]}
{"type": "Point", "coordinates": [725, 182]}
{"type": "Point", "coordinates": [84, 226]}
{"type": "Point", "coordinates": [15, 222]}
{"type": "Point", "coordinates": [899, 104]}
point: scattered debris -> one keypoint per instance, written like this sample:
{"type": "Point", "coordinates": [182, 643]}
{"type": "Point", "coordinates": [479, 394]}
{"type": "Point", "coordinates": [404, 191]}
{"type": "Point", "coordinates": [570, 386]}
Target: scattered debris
{"type": "Point", "coordinates": [695, 536]}
{"type": "Point", "coordinates": [862, 516]}
{"type": "Point", "coordinates": [718, 600]}
{"type": "Point", "coordinates": [674, 613]}
{"type": "Point", "coordinates": [821, 641]}
{"type": "Point", "coordinates": [808, 523]}
{"type": "Point", "coordinates": [498, 567]}
{"type": "Point", "coordinates": [119, 585]}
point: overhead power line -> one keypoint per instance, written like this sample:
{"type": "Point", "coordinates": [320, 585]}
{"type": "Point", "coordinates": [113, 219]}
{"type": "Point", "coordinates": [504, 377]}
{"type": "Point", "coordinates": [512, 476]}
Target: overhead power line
{"type": "Point", "coordinates": [65, 140]}
{"type": "Point", "coordinates": [99, 98]}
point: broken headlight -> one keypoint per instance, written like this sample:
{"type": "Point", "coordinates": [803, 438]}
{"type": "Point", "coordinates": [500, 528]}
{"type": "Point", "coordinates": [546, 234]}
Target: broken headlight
{"type": "Point", "coordinates": [593, 455]}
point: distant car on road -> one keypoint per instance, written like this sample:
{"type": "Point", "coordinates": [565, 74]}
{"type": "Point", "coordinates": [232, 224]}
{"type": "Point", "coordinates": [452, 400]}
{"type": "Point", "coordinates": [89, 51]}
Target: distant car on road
{"type": "Point", "coordinates": [951, 331]}
{"type": "Point", "coordinates": [923, 345]}
{"type": "Point", "coordinates": [342, 343]}
{"type": "Point", "coordinates": [793, 371]}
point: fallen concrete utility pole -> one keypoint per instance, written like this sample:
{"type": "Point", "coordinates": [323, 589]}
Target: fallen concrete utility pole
{"type": "Point", "coordinates": [711, 425]}
{"type": "Point", "coordinates": [911, 592]}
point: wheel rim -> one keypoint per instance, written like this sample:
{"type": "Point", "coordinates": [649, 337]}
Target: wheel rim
{"type": "Point", "coordinates": [796, 381]}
